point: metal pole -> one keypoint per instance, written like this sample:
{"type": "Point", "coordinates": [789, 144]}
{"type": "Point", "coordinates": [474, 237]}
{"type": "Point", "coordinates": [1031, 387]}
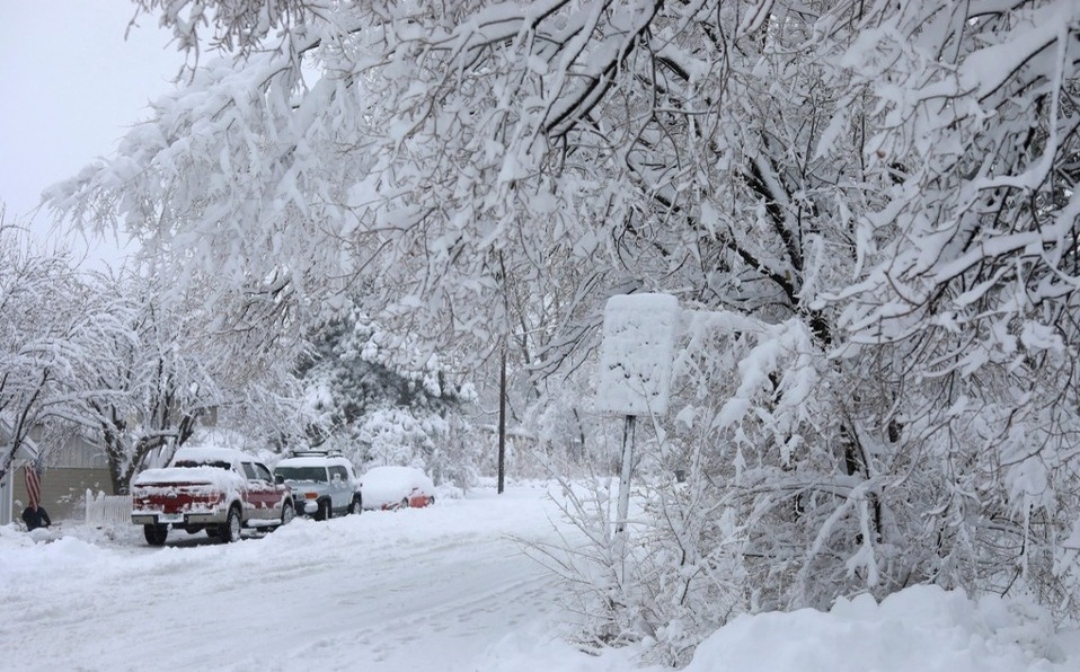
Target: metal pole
{"type": "Point", "coordinates": [624, 478]}
{"type": "Point", "coordinates": [502, 421]}
{"type": "Point", "coordinates": [7, 485]}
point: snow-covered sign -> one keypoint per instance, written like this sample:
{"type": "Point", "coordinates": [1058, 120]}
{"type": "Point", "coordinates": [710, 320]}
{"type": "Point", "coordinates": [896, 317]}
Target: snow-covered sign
{"type": "Point", "coordinates": [636, 354]}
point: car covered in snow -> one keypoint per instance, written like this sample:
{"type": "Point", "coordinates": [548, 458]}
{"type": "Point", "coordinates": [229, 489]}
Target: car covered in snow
{"type": "Point", "coordinates": [396, 488]}
{"type": "Point", "coordinates": [219, 490]}
{"type": "Point", "coordinates": [323, 483]}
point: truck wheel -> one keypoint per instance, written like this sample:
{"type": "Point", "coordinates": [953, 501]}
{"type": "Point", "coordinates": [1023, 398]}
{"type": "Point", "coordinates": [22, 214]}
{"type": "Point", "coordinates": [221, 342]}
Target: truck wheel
{"type": "Point", "coordinates": [287, 513]}
{"type": "Point", "coordinates": [156, 534]}
{"type": "Point", "coordinates": [230, 531]}
{"type": "Point", "coordinates": [356, 506]}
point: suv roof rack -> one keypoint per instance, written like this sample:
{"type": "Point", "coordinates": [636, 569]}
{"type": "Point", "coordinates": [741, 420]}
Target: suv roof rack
{"type": "Point", "coordinates": [315, 452]}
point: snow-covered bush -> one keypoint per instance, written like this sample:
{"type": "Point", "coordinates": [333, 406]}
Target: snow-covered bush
{"type": "Point", "coordinates": [730, 537]}
{"type": "Point", "coordinates": [804, 482]}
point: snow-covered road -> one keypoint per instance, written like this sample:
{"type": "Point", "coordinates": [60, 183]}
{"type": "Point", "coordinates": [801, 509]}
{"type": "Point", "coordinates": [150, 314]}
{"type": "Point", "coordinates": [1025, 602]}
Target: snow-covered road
{"type": "Point", "coordinates": [444, 589]}
{"type": "Point", "coordinates": [413, 590]}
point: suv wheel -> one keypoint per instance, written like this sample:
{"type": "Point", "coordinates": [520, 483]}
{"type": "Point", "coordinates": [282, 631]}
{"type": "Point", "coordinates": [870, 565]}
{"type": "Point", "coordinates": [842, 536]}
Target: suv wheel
{"type": "Point", "coordinates": [156, 534]}
{"type": "Point", "coordinates": [356, 506]}
{"type": "Point", "coordinates": [230, 531]}
{"type": "Point", "coordinates": [325, 511]}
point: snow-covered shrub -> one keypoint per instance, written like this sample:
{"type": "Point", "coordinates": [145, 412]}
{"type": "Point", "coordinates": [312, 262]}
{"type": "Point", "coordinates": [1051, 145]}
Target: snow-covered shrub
{"type": "Point", "coordinates": [806, 479]}
{"type": "Point", "coordinates": [731, 535]}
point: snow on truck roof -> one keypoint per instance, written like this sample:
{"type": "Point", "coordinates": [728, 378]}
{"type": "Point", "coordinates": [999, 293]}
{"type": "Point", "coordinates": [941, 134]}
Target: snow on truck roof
{"type": "Point", "coordinates": [222, 479]}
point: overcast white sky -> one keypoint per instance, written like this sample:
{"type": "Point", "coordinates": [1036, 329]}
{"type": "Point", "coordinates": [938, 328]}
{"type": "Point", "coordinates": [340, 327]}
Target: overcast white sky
{"type": "Point", "coordinates": [70, 85]}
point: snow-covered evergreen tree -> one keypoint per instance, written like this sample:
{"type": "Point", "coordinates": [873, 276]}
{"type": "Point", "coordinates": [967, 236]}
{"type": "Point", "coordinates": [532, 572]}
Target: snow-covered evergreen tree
{"type": "Point", "coordinates": [380, 401]}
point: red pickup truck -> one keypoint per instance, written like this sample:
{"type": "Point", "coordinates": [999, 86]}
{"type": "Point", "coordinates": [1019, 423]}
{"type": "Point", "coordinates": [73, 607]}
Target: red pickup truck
{"type": "Point", "coordinates": [219, 490]}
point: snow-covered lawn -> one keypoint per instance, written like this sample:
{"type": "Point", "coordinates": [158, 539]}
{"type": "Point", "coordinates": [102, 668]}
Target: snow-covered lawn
{"type": "Point", "coordinates": [442, 589]}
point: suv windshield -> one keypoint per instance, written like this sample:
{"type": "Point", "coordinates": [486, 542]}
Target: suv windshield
{"type": "Point", "coordinates": [315, 474]}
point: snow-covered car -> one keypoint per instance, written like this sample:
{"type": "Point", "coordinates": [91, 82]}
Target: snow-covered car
{"type": "Point", "coordinates": [220, 490]}
{"type": "Point", "coordinates": [396, 488]}
{"type": "Point", "coordinates": [323, 483]}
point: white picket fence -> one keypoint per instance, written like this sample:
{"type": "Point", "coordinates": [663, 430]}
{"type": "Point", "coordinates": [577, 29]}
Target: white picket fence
{"type": "Point", "coordinates": [107, 510]}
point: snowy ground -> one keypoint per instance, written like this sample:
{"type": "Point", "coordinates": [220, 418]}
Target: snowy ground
{"type": "Point", "coordinates": [441, 589]}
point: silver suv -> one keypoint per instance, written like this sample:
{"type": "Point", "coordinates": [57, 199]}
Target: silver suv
{"type": "Point", "coordinates": [323, 484]}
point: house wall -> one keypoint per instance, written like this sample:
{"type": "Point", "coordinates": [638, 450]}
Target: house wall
{"type": "Point", "coordinates": [76, 452]}
{"type": "Point", "coordinates": [69, 470]}
{"type": "Point", "coordinates": [63, 490]}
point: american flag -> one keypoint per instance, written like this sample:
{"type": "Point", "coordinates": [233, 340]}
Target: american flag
{"type": "Point", "coordinates": [33, 473]}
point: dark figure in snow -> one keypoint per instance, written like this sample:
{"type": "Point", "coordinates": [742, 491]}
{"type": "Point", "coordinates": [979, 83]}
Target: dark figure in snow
{"type": "Point", "coordinates": [35, 518]}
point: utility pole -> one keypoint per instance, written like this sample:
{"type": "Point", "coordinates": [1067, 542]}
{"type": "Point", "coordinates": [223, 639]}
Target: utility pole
{"type": "Point", "coordinates": [502, 420]}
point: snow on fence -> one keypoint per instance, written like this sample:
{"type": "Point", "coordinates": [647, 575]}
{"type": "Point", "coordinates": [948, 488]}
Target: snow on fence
{"type": "Point", "coordinates": [107, 510]}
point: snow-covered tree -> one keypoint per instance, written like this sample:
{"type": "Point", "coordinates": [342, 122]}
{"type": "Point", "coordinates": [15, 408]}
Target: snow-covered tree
{"type": "Point", "coordinates": [378, 400]}
{"type": "Point", "coordinates": [963, 314]}
{"type": "Point", "coordinates": [883, 193]}
{"type": "Point", "coordinates": [49, 329]}
{"type": "Point", "coordinates": [150, 383]}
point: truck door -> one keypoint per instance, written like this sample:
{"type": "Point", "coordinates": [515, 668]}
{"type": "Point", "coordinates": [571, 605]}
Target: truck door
{"type": "Point", "coordinates": [256, 499]}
